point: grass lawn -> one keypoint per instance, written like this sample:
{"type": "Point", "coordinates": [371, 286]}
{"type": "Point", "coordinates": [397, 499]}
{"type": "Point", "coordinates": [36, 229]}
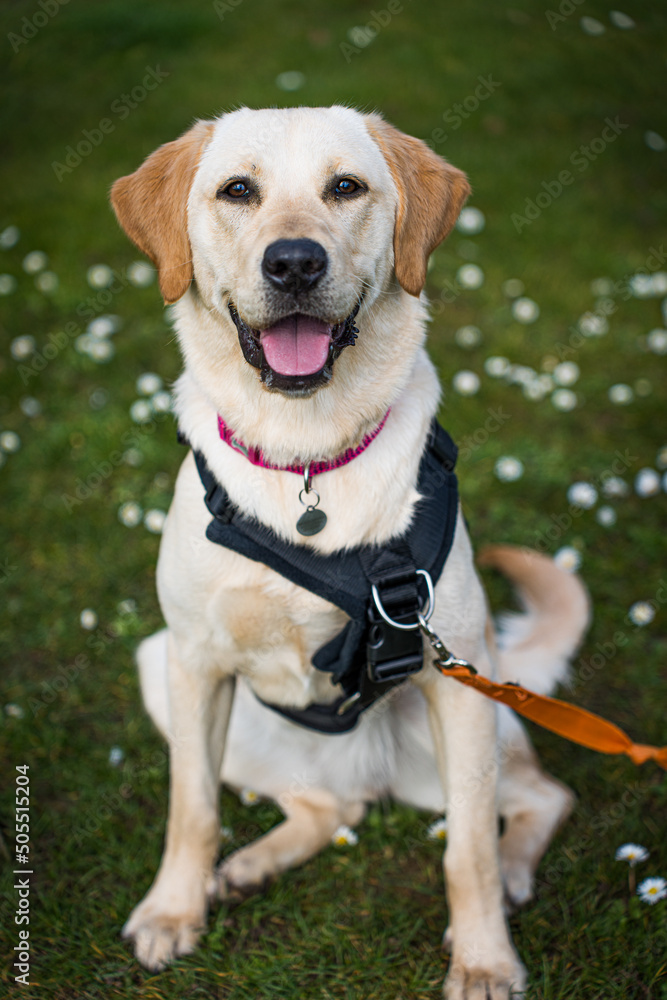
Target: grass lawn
{"type": "Point", "coordinates": [535, 93]}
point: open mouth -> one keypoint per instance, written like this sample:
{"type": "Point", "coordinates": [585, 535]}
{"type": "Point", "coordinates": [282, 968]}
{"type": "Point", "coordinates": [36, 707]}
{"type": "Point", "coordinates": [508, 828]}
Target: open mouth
{"type": "Point", "coordinates": [295, 355]}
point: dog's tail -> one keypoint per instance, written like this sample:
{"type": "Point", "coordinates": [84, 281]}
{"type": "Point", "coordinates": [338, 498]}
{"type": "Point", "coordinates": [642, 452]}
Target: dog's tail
{"type": "Point", "coordinates": [536, 644]}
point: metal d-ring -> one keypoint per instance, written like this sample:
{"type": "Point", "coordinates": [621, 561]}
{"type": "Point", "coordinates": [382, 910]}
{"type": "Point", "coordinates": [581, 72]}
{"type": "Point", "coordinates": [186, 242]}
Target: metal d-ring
{"type": "Point", "coordinates": [425, 613]}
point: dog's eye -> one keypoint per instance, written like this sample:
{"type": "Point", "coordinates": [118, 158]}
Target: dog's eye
{"type": "Point", "coordinates": [235, 190]}
{"type": "Point", "coordinates": [347, 186]}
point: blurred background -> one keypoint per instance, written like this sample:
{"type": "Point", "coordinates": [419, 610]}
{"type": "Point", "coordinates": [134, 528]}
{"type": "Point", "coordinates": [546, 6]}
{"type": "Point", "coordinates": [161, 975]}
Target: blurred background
{"type": "Point", "coordinates": [549, 315]}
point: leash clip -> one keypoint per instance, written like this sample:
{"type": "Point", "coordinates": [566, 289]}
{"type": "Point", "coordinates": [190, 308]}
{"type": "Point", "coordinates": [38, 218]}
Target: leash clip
{"type": "Point", "coordinates": [445, 660]}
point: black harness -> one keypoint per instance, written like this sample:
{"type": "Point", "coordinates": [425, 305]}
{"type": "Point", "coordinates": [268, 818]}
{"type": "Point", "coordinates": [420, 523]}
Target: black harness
{"type": "Point", "coordinates": [369, 657]}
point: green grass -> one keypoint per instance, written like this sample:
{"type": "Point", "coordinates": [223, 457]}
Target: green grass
{"type": "Point", "coordinates": [364, 922]}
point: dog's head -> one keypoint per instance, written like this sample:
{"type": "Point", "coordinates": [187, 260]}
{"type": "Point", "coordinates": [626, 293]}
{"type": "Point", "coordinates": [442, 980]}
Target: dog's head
{"type": "Point", "coordinates": [292, 224]}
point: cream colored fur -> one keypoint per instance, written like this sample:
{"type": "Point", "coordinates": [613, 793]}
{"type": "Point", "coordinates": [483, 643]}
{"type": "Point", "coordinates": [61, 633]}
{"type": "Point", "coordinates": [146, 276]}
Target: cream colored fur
{"type": "Point", "coordinates": [235, 627]}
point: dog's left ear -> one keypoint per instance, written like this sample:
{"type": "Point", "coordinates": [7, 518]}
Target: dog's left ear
{"type": "Point", "coordinates": [431, 193]}
{"type": "Point", "coordinates": [151, 206]}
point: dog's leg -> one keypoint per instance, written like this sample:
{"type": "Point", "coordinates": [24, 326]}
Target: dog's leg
{"type": "Point", "coordinates": [312, 817]}
{"type": "Point", "coordinates": [169, 920]}
{"type": "Point", "coordinates": [532, 803]}
{"type": "Point", "coordinates": [483, 962]}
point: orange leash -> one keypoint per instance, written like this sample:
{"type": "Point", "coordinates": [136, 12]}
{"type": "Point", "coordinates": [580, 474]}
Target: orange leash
{"type": "Point", "coordinates": [574, 723]}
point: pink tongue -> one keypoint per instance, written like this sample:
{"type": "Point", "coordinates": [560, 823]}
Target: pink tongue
{"type": "Point", "coordinates": [297, 345]}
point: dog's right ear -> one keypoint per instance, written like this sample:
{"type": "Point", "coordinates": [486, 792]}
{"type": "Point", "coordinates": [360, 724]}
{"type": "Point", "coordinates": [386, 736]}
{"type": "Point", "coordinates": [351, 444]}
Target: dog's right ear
{"type": "Point", "coordinates": [151, 206]}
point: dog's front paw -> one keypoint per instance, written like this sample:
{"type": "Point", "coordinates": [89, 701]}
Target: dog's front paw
{"type": "Point", "coordinates": [475, 975]}
{"type": "Point", "coordinates": [159, 935]}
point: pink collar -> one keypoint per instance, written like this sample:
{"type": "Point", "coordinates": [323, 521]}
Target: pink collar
{"type": "Point", "coordinates": [256, 455]}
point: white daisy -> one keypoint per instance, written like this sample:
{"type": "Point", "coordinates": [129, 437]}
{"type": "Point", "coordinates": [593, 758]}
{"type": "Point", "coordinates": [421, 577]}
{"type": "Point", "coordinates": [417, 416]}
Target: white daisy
{"type": "Point", "coordinates": [566, 373]}
{"type": "Point", "coordinates": [344, 836]}
{"type": "Point", "coordinates": [141, 411]}
{"type": "Point", "coordinates": [22, 347]}
{"type": "Point", "coordinates": [30, 406]}
{"type": "Point", "coordinates": [162, 401]}
{"type": "Point", "coordinates": [471, 221]}
{"type": "Point", "coordinates": [621, 20]}
{"type": "Point", "coordinates": [525, 310]}
{"type": "Point", "coordinates": [133, 457]}
{"type": "Point", "coordinates": [593, 324]}
{"type": "Point", "coordinates": [468, 336]}
{"type": "Point", "coordinates": [641, 286]}
{"type": "Point", "coordinates": [438, 829]}
{"type": "Point", "coordinates": [47, 282]}
{"type": "Point", "coordinates": [148, 384]}
{"type": "Point", "coordinates": [249, 797]}
{"type": "Point", "coordinates": [99, 276]}
{"type": "Point", "coordinates": [470, 276]}
{"type": "Point", "coordinates": [226, 833]}
{"type": "Point", "coordinates": [9, 237]}
{"type": "Point", "coordinates": [652, 889]}
{"type": "Point", "coordinates": [141, 274]}
{"type": "Point", "coordinates": [656, 341]}
{"type": "Point", "coordinates": [606, 516]}
{"type": "Point", "coordinates": [621, 394]}
{"type": "Point", "coordinates": [116, 756]}
{"type": "Point", "coordinates": [641, 613]}
{"type": "Point", "coordinates": [564, 400]}
{"type": "Point", "coordinates": [496, 366]}
{"type": "Point", "coordinates": [101, 350]}
{"type": "Point", "coordinates": [10, 442]}
{"type": "Point", "coordinates": [14, 710]}
{"type": "Point", "coordinates": [655, 141]}
{"type": "Point", "coordinates": [361, 36]}
{"type": "Point", "coordinates": [88, 619]}
{"type": "Point", "coordinates": [568, 559]}
{"type": "Point", "coordinates": [647, 483]}
{"type": "Point", "coordinates": [34, 262]}
{"type": "Point", "coordinates": [520, 374]}
{"type": "Point", "coordinates": [127, 607]}
{"type": "Point", "coordinates": [660, 282]}
{"type": "Point", "coordinates": [103, 326]}
{"type": "Point", "coordinates": [130, 514]}
{"type": "Point", "coordinates": [508, 469]}
{"type": "Point", "coordinates": [591, 26]}
{"type": "Point", "coordinates": [614, 487]}
{"type": "Point", "coordinates": [154, 521]}
{"type": "Point", "coordinates": [632, 853]}
{"type": "Point", "coordinates": [582, 495]}
{"type": "Point", "coordinates": [538, 387]}
{"type": "Point", "coordinates": [466, 383]}
{"type": "Point", "coordinates": [7, 284]}
{"type": "Point", "coordinates": [290, 80]}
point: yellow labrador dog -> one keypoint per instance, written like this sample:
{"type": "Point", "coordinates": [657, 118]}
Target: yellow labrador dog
{"type": "Point", "coordinates": [294, 244]}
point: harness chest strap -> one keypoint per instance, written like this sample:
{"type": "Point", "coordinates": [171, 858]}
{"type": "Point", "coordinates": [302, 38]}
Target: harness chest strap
{"type": "Point", "coordinates": [570, 721]}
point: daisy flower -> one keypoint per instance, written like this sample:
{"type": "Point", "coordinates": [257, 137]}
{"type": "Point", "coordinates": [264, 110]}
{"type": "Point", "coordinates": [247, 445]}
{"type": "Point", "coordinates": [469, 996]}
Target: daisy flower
{"type": "Point", "coordinates": [568, 559]}
{"type": "Point", "coordinates": [344, 837]}
{"type": "Point", "coordinates": [249, 797]}
{"type": "Point", "coordinates": [438, 829]}
{"type": "Point", "coordinates": [652, 889]}
{"type": "Point", "coordinates": [632, 853]}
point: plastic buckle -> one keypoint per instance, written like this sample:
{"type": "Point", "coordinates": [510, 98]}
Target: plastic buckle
{"type": "Point", "coordinates": [391, 654]}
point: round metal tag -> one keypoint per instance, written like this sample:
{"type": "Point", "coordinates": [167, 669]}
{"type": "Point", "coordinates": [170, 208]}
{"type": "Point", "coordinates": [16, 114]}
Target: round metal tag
{"type": "Point", "coordinates": [311, 521]}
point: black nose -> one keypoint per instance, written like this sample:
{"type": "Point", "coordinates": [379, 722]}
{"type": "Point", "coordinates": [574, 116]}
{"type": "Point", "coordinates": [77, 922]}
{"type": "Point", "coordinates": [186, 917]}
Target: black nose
{"type": "Point", "coordinates": [294, 265]}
